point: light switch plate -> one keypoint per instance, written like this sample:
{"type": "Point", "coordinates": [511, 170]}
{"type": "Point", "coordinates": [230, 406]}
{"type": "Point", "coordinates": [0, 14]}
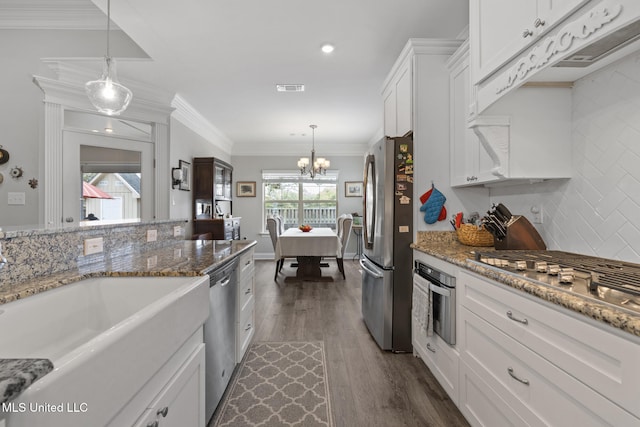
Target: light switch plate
{"type": "Point", "coordinates": [93, 246]}
{"type": "Point", "coordinates": [17, 198]}
{"type": "Point", "coordinates": [152, 235]}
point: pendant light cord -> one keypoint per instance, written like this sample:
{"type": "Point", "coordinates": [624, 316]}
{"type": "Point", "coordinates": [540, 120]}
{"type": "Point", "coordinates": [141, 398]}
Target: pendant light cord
{"type": "Point", "coordinates": [108, 26]}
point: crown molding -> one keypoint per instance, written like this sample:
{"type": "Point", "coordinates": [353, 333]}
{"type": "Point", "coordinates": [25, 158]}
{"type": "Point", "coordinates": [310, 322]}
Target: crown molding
{"type": "Point", "coordinates": [190, 117]}
{"type": "Point", "coordinates": [47, 15]}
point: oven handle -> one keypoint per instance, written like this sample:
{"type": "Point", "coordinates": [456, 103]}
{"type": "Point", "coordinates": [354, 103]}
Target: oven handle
{"type": "Point", "coordinates": [375, 274]}
{"type": "Point", "coordinates": [439, 290]}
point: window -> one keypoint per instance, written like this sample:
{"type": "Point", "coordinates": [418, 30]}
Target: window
{"type": "Point", "coordinates": [300, 200]}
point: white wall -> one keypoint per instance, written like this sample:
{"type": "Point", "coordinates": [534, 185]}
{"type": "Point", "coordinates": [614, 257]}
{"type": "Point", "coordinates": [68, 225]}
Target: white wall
{"type": "Point", "coordinates": [249, 168]}
{"type": "Point", "coordinates": [597, 211]}
{"type": "Point", "coordinates": [21, 112]}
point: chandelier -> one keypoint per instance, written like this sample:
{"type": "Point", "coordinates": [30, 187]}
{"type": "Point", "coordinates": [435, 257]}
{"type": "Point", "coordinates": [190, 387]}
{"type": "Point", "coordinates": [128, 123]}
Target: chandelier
{"type": "Point", "coordinates": [106, 94]}
{"type": "Point", "coordinates": [317, 165]}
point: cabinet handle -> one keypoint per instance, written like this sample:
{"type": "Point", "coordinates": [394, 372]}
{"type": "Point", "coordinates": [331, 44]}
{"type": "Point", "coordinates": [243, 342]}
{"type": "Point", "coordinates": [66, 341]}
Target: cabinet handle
{"type": "Point", "coordinates": [538, 23]}
{"type": "Point", "coordinates": [432, 350]}
{"type": "Point", "coordinates": [153, 424]}
{"type": "Point", "coordinates": [515, 319]}
{"type": "Point", "coordinates": [164, 411]}
{"type": "Point", "coordinates": [248, 263]}
{"type": "Point", "coordinates": [248, 327]}
{"type": "Point", "coordinates": [527, 33]}
{"type": "Point", "coordinates": [248, 291]}
{"type": "Point", "coordinates": [514, 376]}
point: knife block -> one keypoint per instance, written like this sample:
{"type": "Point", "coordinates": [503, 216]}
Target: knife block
{"type": "Point", "coordinates": [521, 234]}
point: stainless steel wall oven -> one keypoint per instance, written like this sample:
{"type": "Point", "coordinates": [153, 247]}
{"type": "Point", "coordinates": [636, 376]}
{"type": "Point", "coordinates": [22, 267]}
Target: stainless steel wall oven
{"type": "Point", "coordinates": [442, 296]}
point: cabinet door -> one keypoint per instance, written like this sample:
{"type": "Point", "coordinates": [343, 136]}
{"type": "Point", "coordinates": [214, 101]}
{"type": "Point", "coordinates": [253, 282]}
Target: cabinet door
{"type": "Point", "coordinates": [390, 113]}
{"type": "Point", "coordinates": [497, 32]}
{"type": "Point", "coordinates": [219, 181]}
{"type": "Point", "coordinates": [181, 401]}
{"type": "Point", "coordinates": [470, 162]}
{"type": "Point", "coordinates": [203, 180]}
{"type": "Point", "coordinates": [404, 122]}
{"type": "Point", "coordinates": [551, 11]}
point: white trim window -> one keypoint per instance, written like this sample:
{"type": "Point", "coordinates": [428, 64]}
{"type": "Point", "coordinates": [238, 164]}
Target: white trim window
{"type": "Point", "coordinates": [300, 199]}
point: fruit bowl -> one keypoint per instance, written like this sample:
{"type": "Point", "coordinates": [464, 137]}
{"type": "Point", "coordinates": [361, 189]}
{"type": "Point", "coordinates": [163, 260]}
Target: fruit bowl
{"type": "Point", "coordinates": [305, 228]}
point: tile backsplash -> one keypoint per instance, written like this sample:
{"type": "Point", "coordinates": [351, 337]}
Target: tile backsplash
{"type": "Point", "coordinates": [597, 211]}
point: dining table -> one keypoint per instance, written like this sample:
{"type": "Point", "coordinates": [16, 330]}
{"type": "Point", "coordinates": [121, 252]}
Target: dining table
{"type": "Point", "coordinates": [308, 248]}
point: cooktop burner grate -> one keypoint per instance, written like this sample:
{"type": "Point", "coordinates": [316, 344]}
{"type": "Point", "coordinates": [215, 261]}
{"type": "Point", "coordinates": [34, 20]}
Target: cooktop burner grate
{"type": "Point", "coordinates": [619, 275]}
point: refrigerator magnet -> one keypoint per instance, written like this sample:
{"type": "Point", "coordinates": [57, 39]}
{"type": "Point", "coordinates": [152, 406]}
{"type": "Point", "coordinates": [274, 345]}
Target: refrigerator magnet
{"type": "Point", "coordinates": [408, 169]}
{"type": "Point", "coordinates": [410, 179]}
{"type": "Point", "coordinates": [404, 148]}
{"type": "Point", "coordinates": [401, 186]}
{"type": "Point", "coordinates": [401, 178]}
{"type": "Point", "coordinates": [405, 200]}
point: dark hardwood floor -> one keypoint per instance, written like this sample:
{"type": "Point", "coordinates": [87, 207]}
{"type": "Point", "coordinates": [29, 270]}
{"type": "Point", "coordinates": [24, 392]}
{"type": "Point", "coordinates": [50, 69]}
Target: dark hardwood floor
{"type": "Point", "coordinates": [368, 387]}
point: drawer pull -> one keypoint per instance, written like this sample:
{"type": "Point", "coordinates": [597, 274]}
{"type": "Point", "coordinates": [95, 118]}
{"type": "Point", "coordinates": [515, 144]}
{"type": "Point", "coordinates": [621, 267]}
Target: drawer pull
{"type": "Point", "coordinates": [527, 33]}
{"type": "Point", "coordinates": [515, 319]}
{"type": "Point", "coordinates": [248, 291]}
{"type": "Point", "coordinates": [164, 411]}
{"type": "Point", "coordinates": [514, 376]}
{"type": "Point", "coordinates": [153, 424]}
{"type": "Point", "coordinates": [248, 263]}
{"type": "Point", "coordinates": [432, 350]}
{"type": "Point", "coordinates": [538, 23]}
{"type": "Point", "coordinates": [248, 327]}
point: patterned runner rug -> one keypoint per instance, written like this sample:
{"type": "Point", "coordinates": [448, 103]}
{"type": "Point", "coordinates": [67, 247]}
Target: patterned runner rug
{"type": "Point", "coordinates": [279, 384]}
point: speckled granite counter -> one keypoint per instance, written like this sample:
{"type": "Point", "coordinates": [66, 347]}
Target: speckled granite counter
{"type": "Point", "coordinates": [445, 246]}
{"type": "Point", "coordinates": [182, 258]}
{"type": "Point", "coordinates": [18, 374]}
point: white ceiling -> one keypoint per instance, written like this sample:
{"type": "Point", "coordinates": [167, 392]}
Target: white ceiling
{"type": "Point", "coordinates": [224, 58]}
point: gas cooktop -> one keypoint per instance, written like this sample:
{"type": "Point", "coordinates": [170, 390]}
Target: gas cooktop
{"type": "Point", "coordinates": [612, 282]}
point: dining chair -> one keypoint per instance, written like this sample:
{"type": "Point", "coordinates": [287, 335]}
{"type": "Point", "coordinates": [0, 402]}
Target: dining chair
{"type": "Point", "coordinates": [274, 231]}
{"type": "Point", "coordinates": [344, 227]}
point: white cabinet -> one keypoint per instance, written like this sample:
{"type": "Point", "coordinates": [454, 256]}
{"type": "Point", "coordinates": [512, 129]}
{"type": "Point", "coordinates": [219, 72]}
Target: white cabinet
{"type": "Point", "coordinates": [181, 401]}
{"type": "Point", "coordinates": [175, 395]}
{"type": "Point", "coordinates": [470, 164]}
{"type": "Point", "coordinates": [245, 327]}
{"type": "Point", "coordinates": [540, 362]}
{"type": "Point", "coordinates": [398, 99]}
{"type": "Point", "coordinates": [500, 29]}
{"type": "Point", "coordinates": [440, 358]}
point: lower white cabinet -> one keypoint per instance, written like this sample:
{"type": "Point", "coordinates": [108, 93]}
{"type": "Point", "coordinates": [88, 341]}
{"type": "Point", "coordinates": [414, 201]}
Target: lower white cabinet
{"type": "Point", "coordinates": [440, 358]}
{"type": "Point", "coordinates": [245, 316]}
{"type": "Point", "coordinates": [175, 395]}
{"type": "Point", "coordinates": [526, 363]}
{"type": "Point", "coordinates": [181, 401]}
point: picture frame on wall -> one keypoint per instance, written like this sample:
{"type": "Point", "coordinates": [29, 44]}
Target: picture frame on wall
{"type": "Point", "coordinates": [185, 167]}
{"type": "Point", "coordinates": [353, 189]}
{"type": "Point", "coordinates": [246, 189]}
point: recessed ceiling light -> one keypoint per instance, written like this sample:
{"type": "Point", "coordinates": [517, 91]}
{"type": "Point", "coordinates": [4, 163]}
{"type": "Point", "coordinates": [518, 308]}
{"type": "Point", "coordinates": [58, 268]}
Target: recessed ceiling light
{"type": "Point", "coordinates": [328, 48]}
{"type": "Point", "coordinates": [290, 88]}
{"type": "Point", "coordinates": [108, 130]}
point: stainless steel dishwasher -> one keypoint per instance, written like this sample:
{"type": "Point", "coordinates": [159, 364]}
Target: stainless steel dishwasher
{"type": "Point", "coordinates": [220, 333]}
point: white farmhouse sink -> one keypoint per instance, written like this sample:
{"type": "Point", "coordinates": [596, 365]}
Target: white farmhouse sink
{"type": "Point", "coordinates": [106, 338]}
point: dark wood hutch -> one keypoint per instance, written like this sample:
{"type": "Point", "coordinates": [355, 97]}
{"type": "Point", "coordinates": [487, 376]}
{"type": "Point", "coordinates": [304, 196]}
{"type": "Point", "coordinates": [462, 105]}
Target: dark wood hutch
{"type": "Point", "coordinates": [213, 199]}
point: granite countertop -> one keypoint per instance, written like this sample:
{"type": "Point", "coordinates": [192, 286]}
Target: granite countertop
{"type": "Point", "coordinates": [445, 246]}
{"type": "Point", "coordinates": [183, 258]}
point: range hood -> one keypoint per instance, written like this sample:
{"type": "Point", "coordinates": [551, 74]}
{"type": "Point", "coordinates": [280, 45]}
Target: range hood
{"type": "Point", "coordinates": [604, 47]}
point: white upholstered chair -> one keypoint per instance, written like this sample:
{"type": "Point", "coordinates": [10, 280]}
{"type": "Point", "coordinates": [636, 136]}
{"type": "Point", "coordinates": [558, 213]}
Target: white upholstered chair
{"type": "Point", "coordinates": [273, 227]}
{"type": "Point", "coordinates": [345, 222]}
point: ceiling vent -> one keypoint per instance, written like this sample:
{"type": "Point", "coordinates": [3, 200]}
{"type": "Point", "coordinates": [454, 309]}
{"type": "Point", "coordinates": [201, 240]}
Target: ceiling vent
{"type": "Point", "coordinates": [290, 88]}
{"type": "Point", "coordinates": [603, 47]}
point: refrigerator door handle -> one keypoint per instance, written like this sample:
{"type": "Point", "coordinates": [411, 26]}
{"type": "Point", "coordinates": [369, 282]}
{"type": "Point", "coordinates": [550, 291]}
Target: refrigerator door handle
{"type": "Point", "coordinates": [375, 274]}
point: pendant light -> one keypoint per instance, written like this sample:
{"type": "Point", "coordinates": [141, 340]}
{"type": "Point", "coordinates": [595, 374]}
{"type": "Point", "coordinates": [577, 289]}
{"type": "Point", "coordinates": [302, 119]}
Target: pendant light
{"type": "Point", "coordinates": [316, 166]}
{"type": "Point", "coordinates": [106, 94]}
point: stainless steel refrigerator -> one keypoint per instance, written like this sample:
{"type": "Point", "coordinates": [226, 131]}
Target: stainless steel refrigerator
{"type": "Point", "coordinates": [387, 235]}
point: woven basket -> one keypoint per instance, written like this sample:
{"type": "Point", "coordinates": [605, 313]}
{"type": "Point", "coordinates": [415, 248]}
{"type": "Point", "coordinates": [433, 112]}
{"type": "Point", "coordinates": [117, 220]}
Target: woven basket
{"type": "Point", "coordinates": [471, 235]}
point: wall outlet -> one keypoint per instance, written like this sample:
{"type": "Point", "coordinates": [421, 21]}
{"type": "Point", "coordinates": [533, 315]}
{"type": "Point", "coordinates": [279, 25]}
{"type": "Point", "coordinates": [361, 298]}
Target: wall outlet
{"type": "Point", "coordinates": [16, 198]}
{"type": "Point", "coordinates": [152, 235]}
{"type": "Point", "coordinates": [93, 246]}
{"type": "Point", "coordinates": [152, 261]}
{"type": "Point", "coordinates": [177, 231]}
{"type": "Point", "coordinates": [536, 214]}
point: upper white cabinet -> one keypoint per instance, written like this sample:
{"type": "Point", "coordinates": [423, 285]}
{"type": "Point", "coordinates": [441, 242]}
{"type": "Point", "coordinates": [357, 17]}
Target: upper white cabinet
{"type": "Point", "coordinates": [397, 101]}
{"type": "Point", "coordinates": [517, 41]}
{"type": "Point", "coordinates": [470, 163]}
{"type": "Point", "coordinates": [501, 28]}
